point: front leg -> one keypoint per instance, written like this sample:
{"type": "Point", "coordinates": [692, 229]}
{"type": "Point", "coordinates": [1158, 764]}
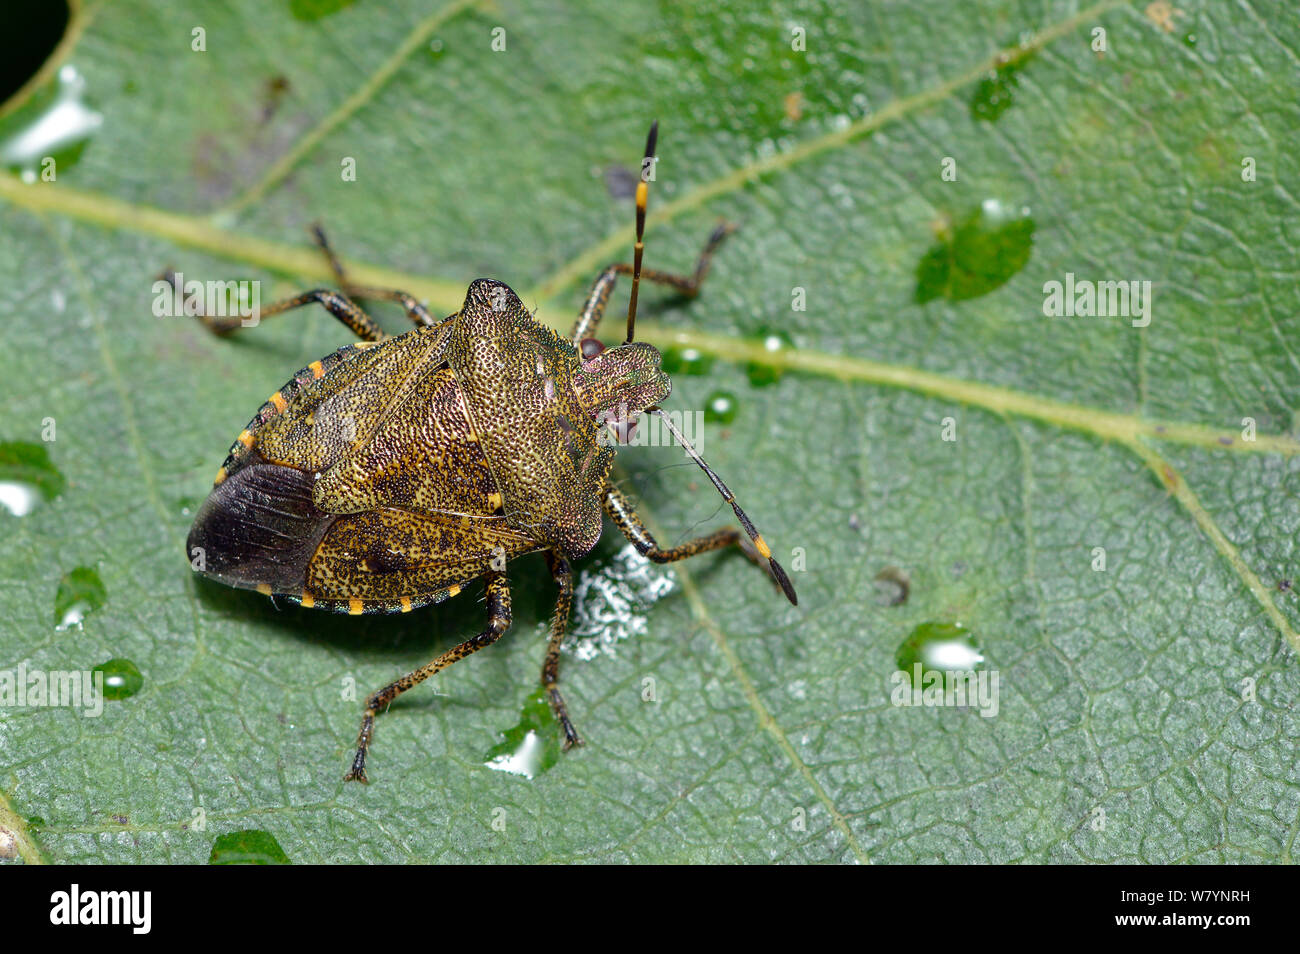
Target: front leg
{"type": "Point", "coordinates": [594, 308]}
{"type": "Point", "coordinates": [625, 518]}
{"type": "Point", "coordinates": [619, 509]}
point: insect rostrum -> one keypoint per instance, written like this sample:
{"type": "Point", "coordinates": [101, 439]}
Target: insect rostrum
{"type": "Point", "coordinates": [395, 471]}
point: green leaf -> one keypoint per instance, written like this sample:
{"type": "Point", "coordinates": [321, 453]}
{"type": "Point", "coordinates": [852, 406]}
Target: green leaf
{"type": "Point", "coordinates": [251, 847]}
{"type": "Point", "coordinates": [1114, 523]}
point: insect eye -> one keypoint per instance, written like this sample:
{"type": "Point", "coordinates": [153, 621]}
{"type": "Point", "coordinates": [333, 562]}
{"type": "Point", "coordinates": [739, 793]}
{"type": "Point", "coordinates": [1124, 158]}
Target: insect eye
{"type": "Point", "coordinates": [623, 429]}
{"type": "Point", "coordinates": [591, 347]}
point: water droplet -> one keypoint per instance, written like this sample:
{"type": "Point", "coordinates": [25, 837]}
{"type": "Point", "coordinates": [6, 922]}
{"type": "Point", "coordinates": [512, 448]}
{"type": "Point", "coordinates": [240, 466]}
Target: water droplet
{"type": "Point", "coordinates": [533, 745]}
{"type": "Point", "coordinates": [248, 847]}
{"type": "Point", "coordinates": [27, 476]}
{"type": "Point", "coordinates": [1190, 39]}
{"type": "Point", "coordinates": [679, 360]}
{"type": "Point", "coordinates": [310, 10]}
{"type": "Point", "coordinates": [762, 373]}
{"type": "Point", "coordinates": [55, 124]}
{"type": "Point", "coordinates": [122, 679]}
{"type": "Point", "coordinates": [80, 592]}
{"type": "Point", "coordinates": [982, 252]}
{"type": "Point", "coordinates": [939, 647]}
{"type": "Point", "coordinates": [720, 407]}
{"type": "Point", "coordinates": [996, 92]}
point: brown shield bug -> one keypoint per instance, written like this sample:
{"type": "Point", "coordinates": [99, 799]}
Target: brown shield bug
{"type": "Point", "coordinates": [395, 471]}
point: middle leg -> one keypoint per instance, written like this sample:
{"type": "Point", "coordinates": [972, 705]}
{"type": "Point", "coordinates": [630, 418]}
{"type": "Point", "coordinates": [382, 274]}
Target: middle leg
{"type": "Point", "coordinates": [415, 311]}
{"type": "Point", "coordinates": [336, 303]}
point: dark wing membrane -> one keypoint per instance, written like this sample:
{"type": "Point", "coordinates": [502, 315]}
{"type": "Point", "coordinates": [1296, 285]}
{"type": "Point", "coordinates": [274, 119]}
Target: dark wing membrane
{"type": "Point", "coordinates": [258, 528]}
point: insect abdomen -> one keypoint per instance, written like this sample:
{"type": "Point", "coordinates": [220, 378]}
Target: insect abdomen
{"type": "Point", "coordinates": [277, 403]}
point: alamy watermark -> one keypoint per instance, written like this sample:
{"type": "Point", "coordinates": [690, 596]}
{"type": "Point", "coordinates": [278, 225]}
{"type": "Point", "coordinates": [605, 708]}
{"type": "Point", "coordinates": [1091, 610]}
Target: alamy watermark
{"type": "Point", "coordinates": [1082, 298]}
{"type": "Point", "coordinates": [235, 299]}
{"type": "Point", "coordinates": [72, 689]}
{"type": "Point", "coordinates": [624, 429]}
{"type": "Point", "coordinates": [945, 687]}
{"type": "Point", "coordinates": [130, 908]}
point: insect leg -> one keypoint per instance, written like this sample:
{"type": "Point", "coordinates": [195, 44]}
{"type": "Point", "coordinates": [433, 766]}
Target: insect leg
{"type": "Point", "coordinates": [336, 303]}
{"type": "Point", "coordinates": [594, 308]}
{"type": "Point", "coordinates": [563, 575]}
{"type": "Point", "coordinates": [625, 518]}
{"type": "Point", "coordinates": [498, 600]}
{"type": "Point", "coordinates": [415, 311]}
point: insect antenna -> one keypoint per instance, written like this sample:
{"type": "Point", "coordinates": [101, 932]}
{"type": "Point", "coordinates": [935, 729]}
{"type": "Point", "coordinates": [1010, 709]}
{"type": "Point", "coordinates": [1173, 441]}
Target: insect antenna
{"type": "Point", "coordinates": [760, 544]}
{"type": "Point", "coordinates": [642, 192]}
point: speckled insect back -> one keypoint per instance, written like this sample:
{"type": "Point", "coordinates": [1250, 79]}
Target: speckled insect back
{"type": "Point", "coordinates": [394, 472]}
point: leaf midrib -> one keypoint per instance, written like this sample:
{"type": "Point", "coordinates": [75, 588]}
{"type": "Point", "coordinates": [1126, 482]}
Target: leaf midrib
{"type": "Point", "coordinates": [445, 297]}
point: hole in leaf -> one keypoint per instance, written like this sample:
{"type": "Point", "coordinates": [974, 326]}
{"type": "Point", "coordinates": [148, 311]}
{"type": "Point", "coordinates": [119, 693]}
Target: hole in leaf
{"type": "Point", "coordinates": [32, 31]}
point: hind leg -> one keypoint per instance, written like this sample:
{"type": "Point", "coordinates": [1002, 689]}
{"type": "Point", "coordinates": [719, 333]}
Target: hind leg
{"type": "Point", "coordinates": [562, 573]}
{"type": "Point", "coordinates": [498, 600]}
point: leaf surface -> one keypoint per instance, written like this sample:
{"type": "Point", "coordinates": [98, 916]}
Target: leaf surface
{"type": "Point", "coordinates": [1147, 711]}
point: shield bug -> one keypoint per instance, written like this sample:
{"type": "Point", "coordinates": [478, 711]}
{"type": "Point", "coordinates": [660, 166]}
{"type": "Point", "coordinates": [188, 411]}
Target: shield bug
{"type": "Point", "coordinates": [394, 472]}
